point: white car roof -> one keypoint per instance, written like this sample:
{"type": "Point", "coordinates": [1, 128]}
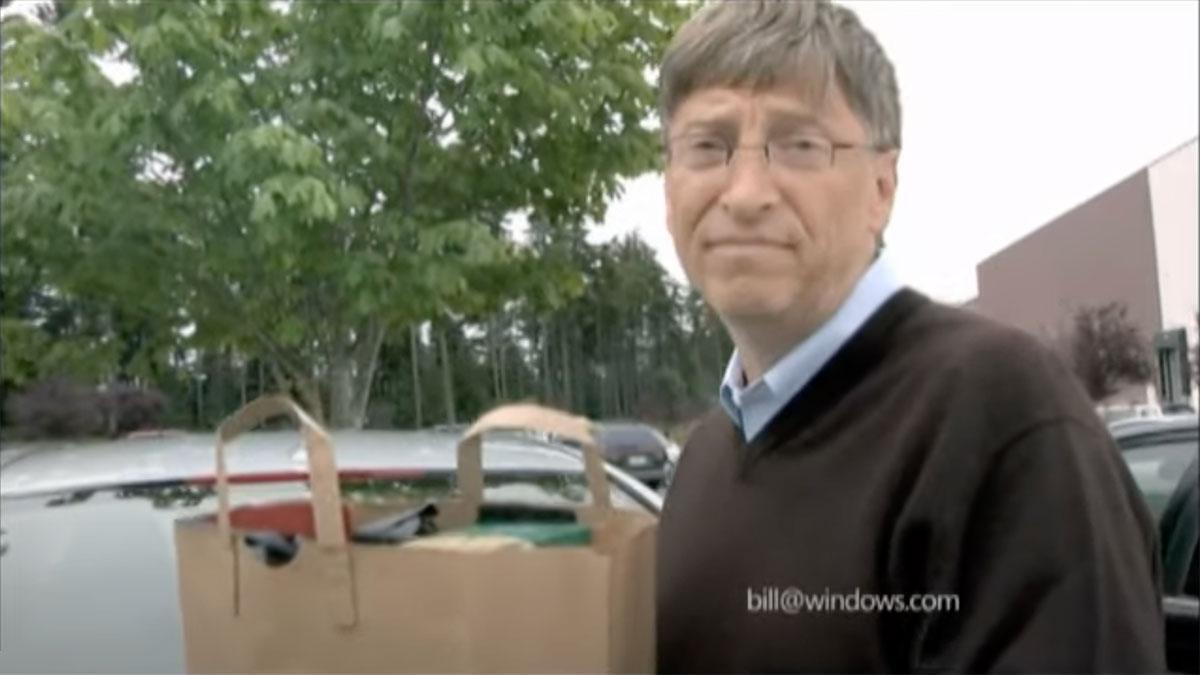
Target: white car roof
{"type": "Point", "coordinates": [59, 466]}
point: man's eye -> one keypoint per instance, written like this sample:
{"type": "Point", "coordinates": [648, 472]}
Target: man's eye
{"type": "Point", "coordinates": [706, 144]}
{"type": "Point", "coordinates": [803, 144]}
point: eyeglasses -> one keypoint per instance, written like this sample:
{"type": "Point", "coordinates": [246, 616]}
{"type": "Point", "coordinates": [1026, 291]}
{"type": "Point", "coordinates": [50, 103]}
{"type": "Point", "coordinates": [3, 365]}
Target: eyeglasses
{"type": "Point", "coordinates": [706, 152]}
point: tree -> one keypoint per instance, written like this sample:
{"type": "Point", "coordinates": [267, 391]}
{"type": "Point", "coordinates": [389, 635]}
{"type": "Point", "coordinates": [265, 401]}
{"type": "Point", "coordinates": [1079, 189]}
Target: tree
{"type": "Point", "coordinates": [300, 181]}
{"type": "Point", "coordinates": [1106, 349]}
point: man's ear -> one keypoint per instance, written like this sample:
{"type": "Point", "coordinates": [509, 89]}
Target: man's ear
{"type": "Point", "coordinates": [886, 181]}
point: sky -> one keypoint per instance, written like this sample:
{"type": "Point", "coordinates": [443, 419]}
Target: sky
{"type": "Point", "coordinates": [1014, 112]}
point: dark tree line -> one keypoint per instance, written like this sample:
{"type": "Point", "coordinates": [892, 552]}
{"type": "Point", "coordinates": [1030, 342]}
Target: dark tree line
{"type": "Point", "coordinates": [623, 341]}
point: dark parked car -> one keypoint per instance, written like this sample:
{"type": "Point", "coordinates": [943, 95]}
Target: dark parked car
{"type": "Point", "coordinates": [639, 449]}
{"type": "Point", "coordinates": [1163, 455]}
{"type": "Point", "coordinates": [86, 529]}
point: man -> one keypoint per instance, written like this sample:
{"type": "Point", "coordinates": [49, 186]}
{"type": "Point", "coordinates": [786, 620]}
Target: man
{"type": "Point", "coordinates": [870, 443]}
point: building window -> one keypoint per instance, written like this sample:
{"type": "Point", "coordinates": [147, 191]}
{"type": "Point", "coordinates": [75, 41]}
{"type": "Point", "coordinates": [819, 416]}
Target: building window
{"type": "Point", "coordinates": [1174, 372]}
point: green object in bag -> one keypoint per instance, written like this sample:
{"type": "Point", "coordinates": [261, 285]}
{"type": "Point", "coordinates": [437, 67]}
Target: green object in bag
{"type": "Point", "coordinates": [538, 534]}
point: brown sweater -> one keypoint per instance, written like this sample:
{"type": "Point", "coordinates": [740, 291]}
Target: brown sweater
{"type": "Point", "coordinates": [936, 453]}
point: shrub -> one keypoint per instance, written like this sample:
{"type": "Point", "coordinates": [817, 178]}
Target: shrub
{"type": "Point", "coordinates": [133, 408]}
{"type": "Point", "coordinates": [58, 408]}
{"type": "Point", "coordinates": [61, 408]}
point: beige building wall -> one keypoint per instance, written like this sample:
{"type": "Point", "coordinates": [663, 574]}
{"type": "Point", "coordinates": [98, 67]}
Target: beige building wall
{"type": "Point", "coordinates": [1174, 201]}
{"type": "Point", "coordinates": [1136, 243]}
{"type": "Point", "coordinates": [1099, 252]}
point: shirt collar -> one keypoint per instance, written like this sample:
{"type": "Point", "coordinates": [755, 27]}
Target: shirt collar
{"type": "Point", "coordinates": [789, 375]}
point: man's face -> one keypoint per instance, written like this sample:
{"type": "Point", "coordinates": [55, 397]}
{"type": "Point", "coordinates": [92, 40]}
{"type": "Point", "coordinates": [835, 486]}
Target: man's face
{"type": "Point", "coordinates": [774, 242]}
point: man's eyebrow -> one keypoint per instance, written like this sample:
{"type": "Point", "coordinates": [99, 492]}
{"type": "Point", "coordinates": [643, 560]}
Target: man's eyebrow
{"type": "Point", "coordinates": [719, 121]}
{"type": "Point", "coordinates": [777, 119]}
{"type": "Point", "coordinates": [791, 119]}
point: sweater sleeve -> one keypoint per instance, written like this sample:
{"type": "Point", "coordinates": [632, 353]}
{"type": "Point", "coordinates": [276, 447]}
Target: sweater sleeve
{"type": "Point", "coordinates": [1057, 568]}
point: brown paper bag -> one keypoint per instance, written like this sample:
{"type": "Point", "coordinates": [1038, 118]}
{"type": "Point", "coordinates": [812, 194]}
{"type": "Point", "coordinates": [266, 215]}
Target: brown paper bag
{"type": "Point", "coordinates": [338, 606]}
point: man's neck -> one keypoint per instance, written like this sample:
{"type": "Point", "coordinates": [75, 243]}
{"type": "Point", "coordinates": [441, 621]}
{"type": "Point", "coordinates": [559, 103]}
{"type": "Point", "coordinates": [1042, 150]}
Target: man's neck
{"type": "Point", "coordinates": [762, 341]}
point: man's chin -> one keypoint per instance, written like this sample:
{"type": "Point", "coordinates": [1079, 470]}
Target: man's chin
{"type": "Point", "coordinates": [746, 301]}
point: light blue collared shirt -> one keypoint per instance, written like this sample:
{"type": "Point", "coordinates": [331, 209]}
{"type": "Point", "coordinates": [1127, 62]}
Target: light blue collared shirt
{"type": "Point", "coordinates": [753, 406]}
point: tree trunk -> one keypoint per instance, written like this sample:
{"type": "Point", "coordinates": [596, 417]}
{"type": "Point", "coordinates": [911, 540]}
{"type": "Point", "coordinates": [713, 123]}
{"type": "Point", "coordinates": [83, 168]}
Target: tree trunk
{"type": "Point", "coordinates": [603, 387]}
{"type": "Point", "coordinates": [414, 336]}
{"type": "Point", "coordinates": [493, 358]}
{"type": "Point", "coordinates": [310, 398]}
{"type": "Point", "coordinates": [567, 384]}
{"type": "Point", "coordinates": [502, 357]}
{"type": "Point", "coordinates": [340, 381]}
{"type": "Point", "coordinates": [366, 362]}
{"type": "Point", "coordinates": [447, 377]}
{"type": "Point", "coordinates": [217, 384]}
{"type": "Point", "coordinates": [351, 373]}
{"type": "Point", "coordinates": [199, 403]}
{"type": "Point", "coordinates": [636, 370]}
{"type": "Point", "coordinates": [623, 366]}
{"type": "Point", "coordinates": [303, 387]}
{"type": "Point", "coordinates": [341, 390]}
{"type": "Point", "coordinates": [583, 370]}
{"type": "Point", "coordinates": [544, 357]}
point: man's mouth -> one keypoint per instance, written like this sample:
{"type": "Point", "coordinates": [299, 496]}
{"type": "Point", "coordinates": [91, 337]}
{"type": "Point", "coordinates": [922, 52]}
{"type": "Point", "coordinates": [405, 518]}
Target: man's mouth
{"type": "Point", "coordinates": [741, 243]}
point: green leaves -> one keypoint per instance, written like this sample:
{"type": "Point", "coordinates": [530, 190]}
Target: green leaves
{"type": "Point", "coordinates": [331, 164]}
{"type": "Point", "coordinates": [24, 347]}
{"type": "Point", "coordinates": [471, 242]}
{"type": "Point", "coordinates": [305, 197]}
{"type": "Point", "coordinates": [394, 21]}
{"type": "Point", "coordinates": [471, 59]}
{"type": "Point", "coordinates": [291, 331]}
{"type": "Point", "coordinates": [392, 29]}
{"type": "Point", "coordinates": [264, 207]}
{"type": "Point", "coordinates": [285, 144]}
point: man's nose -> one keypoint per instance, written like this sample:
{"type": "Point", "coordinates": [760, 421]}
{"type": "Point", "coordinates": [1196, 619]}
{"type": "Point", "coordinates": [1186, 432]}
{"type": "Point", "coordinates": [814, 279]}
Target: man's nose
{"type": "Point", "coordinates": [750, 193]}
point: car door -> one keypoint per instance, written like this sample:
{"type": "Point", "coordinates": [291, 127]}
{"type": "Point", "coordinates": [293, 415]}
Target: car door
{"type": "Point", "coordinates": [1164, 464]}
{"type": "Point", "coordinates": [1179, 531]}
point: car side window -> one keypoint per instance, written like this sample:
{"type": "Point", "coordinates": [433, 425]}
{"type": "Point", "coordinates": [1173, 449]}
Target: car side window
{"type": "Point", "coordinates": [1158, 468]}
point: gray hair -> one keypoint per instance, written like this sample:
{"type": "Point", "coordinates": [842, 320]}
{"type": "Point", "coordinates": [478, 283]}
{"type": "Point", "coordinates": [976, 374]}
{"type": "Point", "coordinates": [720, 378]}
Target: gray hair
{"type": "Point", "coordinates": [760, 43]}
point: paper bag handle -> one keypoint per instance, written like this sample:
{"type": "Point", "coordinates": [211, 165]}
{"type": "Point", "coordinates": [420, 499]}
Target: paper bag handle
{"type": "Point", "coordinates": [528, 416]}
{"type": "Point", "coordinates": [326, 498]}
{"type": "Point", "coordinates": [322, 471]}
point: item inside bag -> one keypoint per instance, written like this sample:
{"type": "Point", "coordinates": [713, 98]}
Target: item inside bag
{"type": "Point", "coordinates": [275, 529]}
{"type": "Point", "coordinates": [533, 526]}
{"type": "Point", "coordinates": [537, 534]}
{"type": "Point", "coordinates": [272, 548]}
{"type": "Point", "coordinates": [461, 542]}
{"type": "Point", "coordinates": [399, 527]}
{"type": "Point", "coordinates": [525, 513]}
{"type": "Point", "coordinates": [523, 521]}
